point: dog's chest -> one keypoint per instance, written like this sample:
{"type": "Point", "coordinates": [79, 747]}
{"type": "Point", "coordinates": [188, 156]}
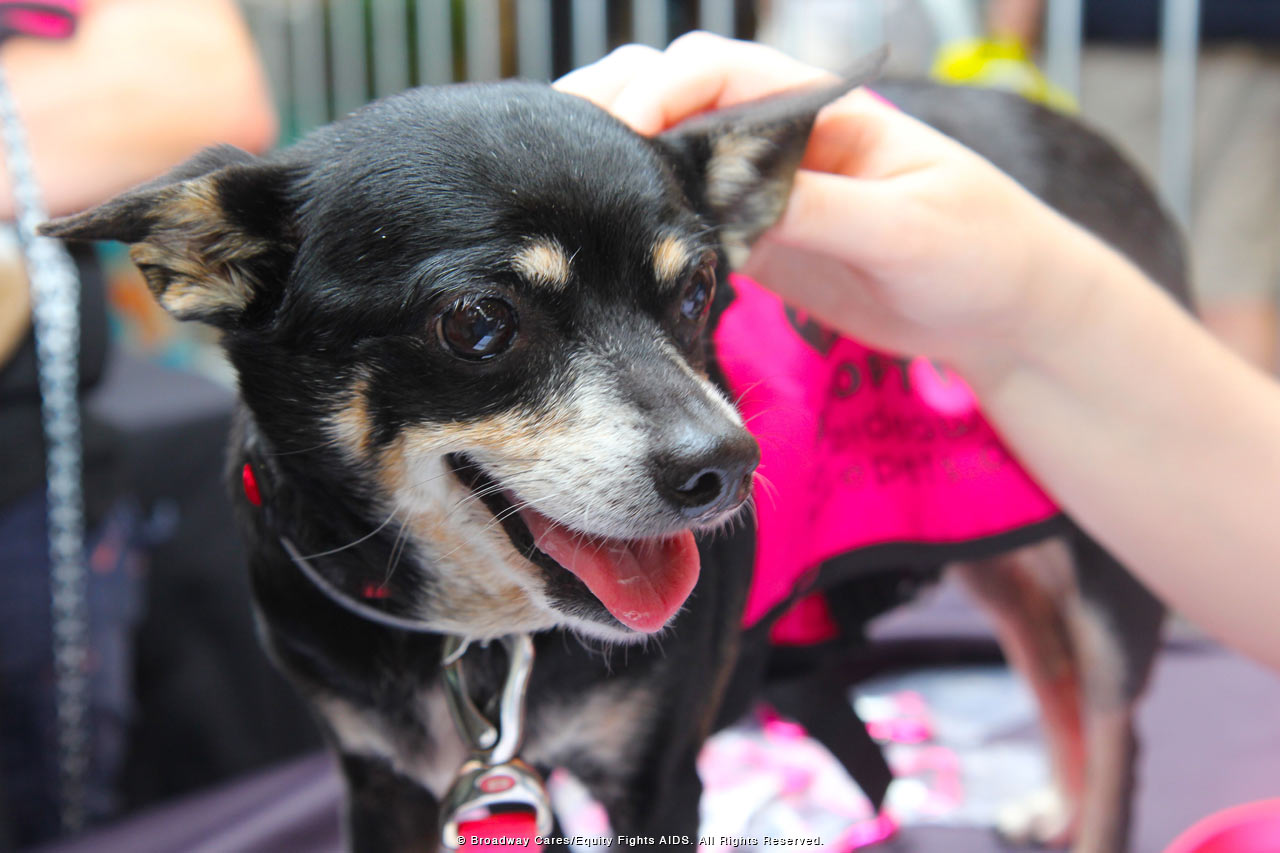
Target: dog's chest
{"type": "Point", "coordinates": [601, 727]}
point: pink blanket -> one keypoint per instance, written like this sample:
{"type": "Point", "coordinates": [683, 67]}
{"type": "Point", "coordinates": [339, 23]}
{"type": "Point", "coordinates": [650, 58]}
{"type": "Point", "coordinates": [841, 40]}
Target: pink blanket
{"type": "Point", "coordinates": [859, 449]}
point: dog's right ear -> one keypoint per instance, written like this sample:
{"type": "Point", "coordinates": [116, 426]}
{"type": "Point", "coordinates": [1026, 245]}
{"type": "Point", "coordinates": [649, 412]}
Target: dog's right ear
{"type": "Point", "coordinates": [212, 237]}
{"type": "Point", "coordinates": [738, 163]}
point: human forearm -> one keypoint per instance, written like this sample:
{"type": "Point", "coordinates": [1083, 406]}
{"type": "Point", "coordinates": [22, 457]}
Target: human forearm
{"type": "Point", "coordinates": [144, 84]}
{"type": "Point", "coordinates": [1157, 440]}
{"type": "Point", "coordinates": [1150, 434]}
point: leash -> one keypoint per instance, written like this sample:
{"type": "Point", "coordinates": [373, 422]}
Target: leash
{"type": "Point", "coordinates": [494, 797]}
{"type": "Point", "coordinates": [55, 314]}
{"type": "Point", "coordinates": [494, 779]}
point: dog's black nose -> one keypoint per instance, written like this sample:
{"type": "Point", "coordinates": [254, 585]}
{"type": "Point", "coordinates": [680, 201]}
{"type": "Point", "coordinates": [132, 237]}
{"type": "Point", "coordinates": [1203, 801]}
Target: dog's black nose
{"type": "Point", "coordinates": [705, 478]}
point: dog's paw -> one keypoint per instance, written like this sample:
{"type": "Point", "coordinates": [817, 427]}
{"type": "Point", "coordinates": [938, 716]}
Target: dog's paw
{"type": "Point", "coordinates": [1044, 818]}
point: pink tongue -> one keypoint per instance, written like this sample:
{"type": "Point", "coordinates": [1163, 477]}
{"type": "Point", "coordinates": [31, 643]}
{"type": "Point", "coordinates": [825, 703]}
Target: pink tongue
{"type": "Point", "coordinates": [641, 582]}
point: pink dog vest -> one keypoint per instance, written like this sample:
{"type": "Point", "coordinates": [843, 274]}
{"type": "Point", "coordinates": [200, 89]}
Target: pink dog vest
{"type": "Point", "coordinates": [858, 450]}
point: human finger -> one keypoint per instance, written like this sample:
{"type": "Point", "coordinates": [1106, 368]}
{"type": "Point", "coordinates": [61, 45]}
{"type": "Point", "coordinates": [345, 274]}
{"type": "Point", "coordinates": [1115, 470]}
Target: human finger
{"type": "Point", "coordinates": [601, 81]}
{"type": "Point", "coordinates": [862, 135]}
{"type": "Point", "coordinates": [854, 220]}
{"type": "Point", "coordinates": [699, 72]}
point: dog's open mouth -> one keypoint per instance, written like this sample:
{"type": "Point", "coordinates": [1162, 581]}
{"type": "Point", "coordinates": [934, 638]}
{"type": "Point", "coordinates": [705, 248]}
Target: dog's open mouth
{"type": "Point", "coordinates": [641, 582]}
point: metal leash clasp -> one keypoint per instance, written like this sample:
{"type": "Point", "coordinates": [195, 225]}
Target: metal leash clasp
{"type": "Point", "coordinates": [493, 775]}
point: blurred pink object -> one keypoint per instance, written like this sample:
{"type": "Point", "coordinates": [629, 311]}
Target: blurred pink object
{"type": "Point", "coordinates": [900, 718]}
{"type": "Point", "coordinates": [867, 833]}
{"type": "Point", "coordinates": [900, 731]}
{"type": "Point", "coordinates": [49, 19]}
{"type": "Point", "coordinates": [1250, 828]}
{"type": "Point", "coordinates": [776, 780]}
{"type": "Point", "coordinates": [777, 728]}
{"type": "Point", "coordinates": [938, 769]}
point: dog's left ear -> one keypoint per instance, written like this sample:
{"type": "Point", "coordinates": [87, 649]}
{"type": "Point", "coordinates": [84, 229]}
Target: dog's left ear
{"type": "Point", "coordinates": [739, 163]}
{"type": "Point", "coordinates": [212, 237]}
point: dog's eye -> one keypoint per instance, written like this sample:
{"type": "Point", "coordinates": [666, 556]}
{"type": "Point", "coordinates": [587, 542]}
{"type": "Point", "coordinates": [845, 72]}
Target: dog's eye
{"type": "Point", "coordinates": [478, 328]}
{"type": "Point", "coordinates": [696, 299]}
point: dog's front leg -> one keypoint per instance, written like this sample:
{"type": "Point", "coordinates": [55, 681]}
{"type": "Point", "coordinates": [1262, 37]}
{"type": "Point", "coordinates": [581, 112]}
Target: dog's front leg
{"type": "Point", "coordinates": [387, 812]}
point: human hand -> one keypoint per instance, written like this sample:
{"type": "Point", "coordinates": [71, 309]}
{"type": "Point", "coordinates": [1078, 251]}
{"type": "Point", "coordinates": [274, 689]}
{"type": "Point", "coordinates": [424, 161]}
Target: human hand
{"type": "Point", "coordinates": [894, 234]}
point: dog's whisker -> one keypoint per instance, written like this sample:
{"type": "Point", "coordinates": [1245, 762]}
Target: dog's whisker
{"type": "Point", "coordinates": [750, 511]}
{"type": "Point", "coordinates": [433, 478]}
{"type": "Point", "coordinates": [363, 538]}
{"type": "Point", "coordinates": [397, 551]}
{"type": "Point", "coordinates": [767, 486]}
{"type": "Point", "coordinates": [766, 411]}
{"type": "Point", "coordinates": [484, 528]}
{"type": "Point", "coordinates": [737, 402]}
{"type": "Point", "coordinates": [474, 496]}
{"type": "Point", "coordinates": [710, 228]}
{"type": "Point", "coordinates": [496, 521]}
{"type": "Point", "coordinates": [275, 454]}
{"type": "Point", "coordinates": [531, 460]}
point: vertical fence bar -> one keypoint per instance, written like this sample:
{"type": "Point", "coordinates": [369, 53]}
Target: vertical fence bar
{"type": "Point", "coordinates": [1179, 41]}
{"type": "Point", "coordinates": [435, 42]}
{"type": "Point", "coordinates": [267, 23]}
{"type": "Point", "coordinates": [953, 21]}
{"type": "Point", "coordinates": [533, 39]}
{"type": "Point", "coordinates": [484, 40]}
{"type": "Point", "coordinates": [590, 31]}
{"type": "Point", "coordinates": [717, 16]}
{"type": "Point", "coordinates": [347, 55]}
{"type": "Point", "coordinates": [1063, 36]}
{"type": "Point", "coordinates": [391, 46]}
{"type": "Point", "coordinates": [872, 25]}
{"type": "Point", "coordinates": [306, 55]}
{"type": "Point", "coordinates": [649, 23]}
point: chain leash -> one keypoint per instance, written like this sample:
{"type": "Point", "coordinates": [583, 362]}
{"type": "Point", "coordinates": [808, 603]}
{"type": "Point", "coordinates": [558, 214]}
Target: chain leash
{"type": "Point", "coordinates": [55, 300]}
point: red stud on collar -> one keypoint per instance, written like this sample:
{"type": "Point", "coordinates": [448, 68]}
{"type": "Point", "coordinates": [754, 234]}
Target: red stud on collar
{"type": "Point", "coordinates": [250, 485]}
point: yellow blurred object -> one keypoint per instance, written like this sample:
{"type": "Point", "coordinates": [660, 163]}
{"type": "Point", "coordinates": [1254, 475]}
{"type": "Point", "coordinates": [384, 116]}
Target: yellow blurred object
{"type": "Point", "coordinates": [999, 64]}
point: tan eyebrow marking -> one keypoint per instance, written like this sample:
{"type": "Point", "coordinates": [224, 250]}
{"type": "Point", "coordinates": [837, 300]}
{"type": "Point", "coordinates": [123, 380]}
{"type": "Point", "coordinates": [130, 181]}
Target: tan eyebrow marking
{"type": "Point", "coordinates": [543, 261]}
{"type": "Point", "coordinates": [670, 258]}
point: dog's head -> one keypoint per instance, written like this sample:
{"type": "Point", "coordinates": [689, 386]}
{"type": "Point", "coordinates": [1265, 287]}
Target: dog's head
{"type": "Point", "coordinates": [481, 311]}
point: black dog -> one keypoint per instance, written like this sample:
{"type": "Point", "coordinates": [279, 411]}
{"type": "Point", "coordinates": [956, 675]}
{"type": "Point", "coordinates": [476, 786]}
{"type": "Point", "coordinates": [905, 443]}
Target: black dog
{"type": "Point", "coordinates": [470, 329]}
